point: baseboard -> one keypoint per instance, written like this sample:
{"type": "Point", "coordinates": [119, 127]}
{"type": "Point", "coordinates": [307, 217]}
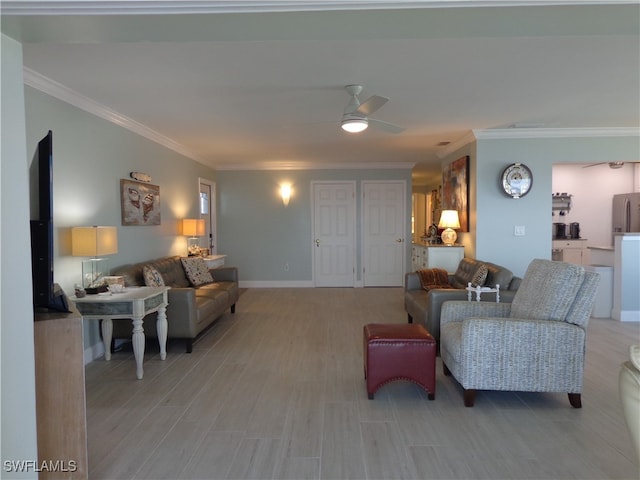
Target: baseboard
{"type": "Point", "coordinates": [275, 284]}
{"type": "Point", "coordinates": [93, 352]}
{"type": "Point", "coordinates": [284, 284]}
{"type": "Point", "coordinates": [625, 315]}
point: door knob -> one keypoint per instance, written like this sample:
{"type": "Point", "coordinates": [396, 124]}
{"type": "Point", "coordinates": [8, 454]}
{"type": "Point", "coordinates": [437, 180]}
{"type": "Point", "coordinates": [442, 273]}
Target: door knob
{"type": "Point", "coordinates": [317, 242]}
{"type": "Point", "coordinates": [399, 240]}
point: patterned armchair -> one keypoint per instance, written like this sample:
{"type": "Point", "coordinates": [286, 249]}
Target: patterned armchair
{"type": "Point", "coordinates": [534, 344]}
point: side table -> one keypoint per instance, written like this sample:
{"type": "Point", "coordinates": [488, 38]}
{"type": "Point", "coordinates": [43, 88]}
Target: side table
{"type": "Point", "coordinates": [133, 303]}
{"type": "Point", "coordinates": [481, 290]}
{"type": "Point", "coordinates": [215, 261]}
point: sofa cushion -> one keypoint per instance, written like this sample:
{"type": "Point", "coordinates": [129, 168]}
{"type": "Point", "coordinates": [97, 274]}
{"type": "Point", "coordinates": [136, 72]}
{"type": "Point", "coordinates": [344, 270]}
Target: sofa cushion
{"type": "Point", "coordinates": [497, 275]}
{"type": "Point", "coordinates": [196, 270]}
{"type": "Point", "coordinates": [465, 273]}
{"type": "Point", "coordinates": [171, 270]}
{"type": "Point", "coordinates": [152, 277]}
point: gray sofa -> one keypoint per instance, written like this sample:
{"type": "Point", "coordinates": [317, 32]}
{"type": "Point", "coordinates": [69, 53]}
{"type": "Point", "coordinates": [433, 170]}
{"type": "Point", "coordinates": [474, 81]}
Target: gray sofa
{"type": "Point", "coordinates": [424, 306]}
{"type": "Point", "coordinates": [191, 309]}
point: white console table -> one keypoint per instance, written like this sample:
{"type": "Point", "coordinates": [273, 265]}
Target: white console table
{"type": "Point", "coordinates": [133, 303]}
{"type": "Point", "coordinates": [215, 261]}
{"type": "Point", "coordinates": [436, 256]}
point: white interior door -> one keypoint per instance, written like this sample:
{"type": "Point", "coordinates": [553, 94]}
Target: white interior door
{"type": "Point", "coordinates": [334, 234]}
{"type": "Point", "coordinates": [383, 233]}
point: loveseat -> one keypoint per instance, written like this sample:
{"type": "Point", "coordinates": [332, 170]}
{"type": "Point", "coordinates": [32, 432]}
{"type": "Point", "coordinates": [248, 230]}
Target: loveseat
{"type": "Point", "coordinates": [195, 299]}
{"type": "Point", "coordinates": [424, 305]}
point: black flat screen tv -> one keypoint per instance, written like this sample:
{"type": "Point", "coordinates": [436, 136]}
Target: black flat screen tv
{"type": "Point", "coordinates": [46, 294]}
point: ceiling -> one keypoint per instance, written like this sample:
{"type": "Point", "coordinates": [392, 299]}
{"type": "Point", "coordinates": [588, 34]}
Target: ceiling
{"type": "Point", "coordinates": [261, 84]}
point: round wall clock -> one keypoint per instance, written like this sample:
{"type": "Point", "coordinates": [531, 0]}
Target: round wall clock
{"type": "Point", "coordinates": [516, 180]}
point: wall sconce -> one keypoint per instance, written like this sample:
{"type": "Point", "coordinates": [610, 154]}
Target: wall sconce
{"type": "Point", "coordinates": [94, 242]}
{"type": "Point", "coordinates": [193, 228]}
{"type": "Point", "coordinates": [285, 193]}
{"type": "Point", "coordinates": [449, 220]}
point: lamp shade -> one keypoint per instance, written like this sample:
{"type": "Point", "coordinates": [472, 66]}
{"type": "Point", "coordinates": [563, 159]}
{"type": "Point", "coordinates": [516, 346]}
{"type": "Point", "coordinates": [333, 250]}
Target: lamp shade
{"type": "Point", "coordinates": [449, 219]}
{"type": "Point", "coordinates": [193, 227]}
{"type": "Point", "coordinates": [94, 241]}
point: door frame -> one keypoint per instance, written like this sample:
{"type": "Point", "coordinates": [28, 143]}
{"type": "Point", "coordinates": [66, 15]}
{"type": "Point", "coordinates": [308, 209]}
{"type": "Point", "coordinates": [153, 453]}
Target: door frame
{"type": "Point", "coordinates": [213, 217]}
{"type": "Point", "coordinates": [362, 224]}
{"type": "Point", "coordinates": [354, 226]}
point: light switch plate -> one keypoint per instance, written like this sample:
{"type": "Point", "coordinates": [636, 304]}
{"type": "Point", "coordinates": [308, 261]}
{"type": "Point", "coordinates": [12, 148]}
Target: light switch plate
{"type": "Point", "coordinates": [518, 230]}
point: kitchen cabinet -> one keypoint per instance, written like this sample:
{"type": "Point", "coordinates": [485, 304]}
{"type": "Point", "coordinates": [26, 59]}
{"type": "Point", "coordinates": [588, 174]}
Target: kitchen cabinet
{"type": "Point", "coordinates": [570, 251]}
{"type": "Point", "coordinates": [436, 256]}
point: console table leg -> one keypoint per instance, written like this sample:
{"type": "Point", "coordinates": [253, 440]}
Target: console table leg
{"type": "Point", "coordinates": [161, 328]}
{"type": "Point", "coordinates": [138, 345]}
{"type": "Point", "coordinates": [106, 325]}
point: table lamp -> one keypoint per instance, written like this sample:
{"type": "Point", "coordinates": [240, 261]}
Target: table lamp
{"type": "Point", "coordinates": [449, 220]}
{"type": "Point", "coordinates": [193, 228]}
{"type": "Point", "coordinates": [94, 242]}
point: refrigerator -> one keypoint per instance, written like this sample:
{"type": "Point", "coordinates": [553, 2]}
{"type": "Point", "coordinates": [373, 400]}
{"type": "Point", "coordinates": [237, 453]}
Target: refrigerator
{"type": "Point", "coordinates": [626, 212]}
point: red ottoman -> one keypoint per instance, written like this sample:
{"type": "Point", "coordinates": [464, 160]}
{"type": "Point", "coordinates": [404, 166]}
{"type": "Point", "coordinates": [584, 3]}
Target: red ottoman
{"type": "Point", "coordinates": [400, 351]}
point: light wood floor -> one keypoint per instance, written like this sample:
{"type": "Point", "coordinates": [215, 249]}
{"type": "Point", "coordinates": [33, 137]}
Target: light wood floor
{"type": "Point", "coordinates": [276, 391]}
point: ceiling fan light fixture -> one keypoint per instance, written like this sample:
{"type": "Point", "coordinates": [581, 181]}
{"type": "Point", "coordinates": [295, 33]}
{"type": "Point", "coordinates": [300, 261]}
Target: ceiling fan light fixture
{"type": "Point", "coordinates": [354, 124]}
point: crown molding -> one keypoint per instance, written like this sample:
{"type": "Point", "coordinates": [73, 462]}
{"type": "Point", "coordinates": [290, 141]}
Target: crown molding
{"type": "Point", "coordinates": [456, 145]}
{"type": "Point", "coordinates": [536, 133]}
{"type": "Point", "coordinates": [521, 133]}
{"type": "Point", "coordinates": [140, 7]}
{"type": "Point", "coordinates": [51, 87]}
{"type": "Point", "coordinates": [57, 90]}
{"type": "Point", "coordinates": [275, 165]}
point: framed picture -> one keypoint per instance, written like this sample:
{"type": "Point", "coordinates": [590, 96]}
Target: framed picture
{"type": "Point", "coordinates": [140, 203]}
{"type": "Point", "coordinates": [455, 190]}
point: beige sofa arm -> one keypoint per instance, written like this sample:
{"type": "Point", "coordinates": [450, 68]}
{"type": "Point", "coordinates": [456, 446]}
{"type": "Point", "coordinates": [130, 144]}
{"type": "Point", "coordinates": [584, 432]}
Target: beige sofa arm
{"type": "Point", "coordinates": [225, 274]}
{"type": "Point", "coordinates": [412, 281]}
{"type": "Point", "coordinates": [182, 304]}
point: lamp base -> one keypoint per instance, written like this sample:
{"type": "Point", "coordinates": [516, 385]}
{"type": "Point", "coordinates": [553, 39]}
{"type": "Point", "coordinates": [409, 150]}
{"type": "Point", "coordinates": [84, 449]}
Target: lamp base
{"type": "Point", "coordinates": [95, 290]}
{"type": "Point", "coordinates": [449, 237]}
{"type": "Point", "coordinates": [93, 272]}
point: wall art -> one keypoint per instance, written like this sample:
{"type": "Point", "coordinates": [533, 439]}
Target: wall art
{"type": "Point", "coordinates": [140, 203]}
{"type": "Point", "coordinates": [455, 190]}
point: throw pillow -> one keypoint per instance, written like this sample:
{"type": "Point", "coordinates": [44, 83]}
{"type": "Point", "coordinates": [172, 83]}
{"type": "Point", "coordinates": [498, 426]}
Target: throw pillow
{"type": "Point", "coordinates": [431, 278]}
{"type": "Point", "coordinates": [152, 277]}
{"type": "Point", "coordinates": [196, 270]}
{"type": "Point", "coordinates": [480, 276]}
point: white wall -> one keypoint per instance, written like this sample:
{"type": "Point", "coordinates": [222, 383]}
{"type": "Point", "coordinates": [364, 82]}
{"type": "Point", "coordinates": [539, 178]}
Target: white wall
{"type": "Point", "coordinates": [592, 189]}
{"type": "Point", "coordinates": [259, 234]}
{"type": "Point", "coordinates": [90, 156]}
{"type": "Point", "coordinates": [18, 422]}
{"type": "Point", "coordinates": [496, 215]}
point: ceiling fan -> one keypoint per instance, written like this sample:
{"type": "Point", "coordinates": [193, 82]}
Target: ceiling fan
{"type": "Point", "coordinates": [611, 164]}
{"type": "Point", "coordinates": [356, 114]}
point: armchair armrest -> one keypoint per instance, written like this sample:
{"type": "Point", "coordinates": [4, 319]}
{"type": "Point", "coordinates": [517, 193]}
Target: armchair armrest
{"type": "Point", "coordinates": [457, 311]}
{"type": "Point", "coordinates": [518, 354]}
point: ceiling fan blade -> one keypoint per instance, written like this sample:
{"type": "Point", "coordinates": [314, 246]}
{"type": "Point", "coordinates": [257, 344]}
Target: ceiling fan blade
{"type": "Point", "coordinates": [371, 104]}
{"type": "Point", "coordinates": [386, 126]}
